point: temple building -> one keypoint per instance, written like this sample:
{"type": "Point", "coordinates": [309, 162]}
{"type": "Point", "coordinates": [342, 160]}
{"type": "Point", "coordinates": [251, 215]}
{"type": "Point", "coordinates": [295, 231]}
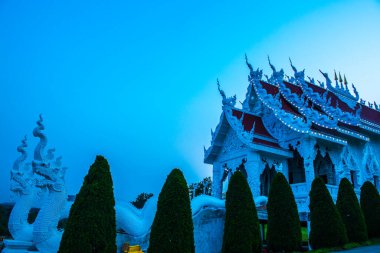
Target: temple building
{"type": "Point", "coordinates": [300, 128]}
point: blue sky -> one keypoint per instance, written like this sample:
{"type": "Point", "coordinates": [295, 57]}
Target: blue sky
{"type": "Point", "coordinates": [135, 82]}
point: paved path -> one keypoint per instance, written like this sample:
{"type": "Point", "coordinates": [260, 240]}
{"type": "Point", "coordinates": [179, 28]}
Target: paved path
{"type": "Point", "coordinates": [365, 249]}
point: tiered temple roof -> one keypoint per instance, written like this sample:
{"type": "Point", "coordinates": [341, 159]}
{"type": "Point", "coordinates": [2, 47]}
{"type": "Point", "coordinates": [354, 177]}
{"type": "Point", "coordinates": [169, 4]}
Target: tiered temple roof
{"type": "Point", "coordinates": [321, 110]}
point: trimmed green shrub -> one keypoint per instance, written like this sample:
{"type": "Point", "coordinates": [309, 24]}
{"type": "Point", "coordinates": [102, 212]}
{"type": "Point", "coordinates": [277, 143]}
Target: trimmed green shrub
{"type": "Point", "coordinates": [172, 228]}
{"type": "Point", "coordinates": [5, 211]}
{"type": "Point", "coordinates": [327, 228]}
{"type": "Point", "coordinates": [91, 227]}
{"type": "Point", "coordinates": [284, 228]}
{"type": "Point", "coordinates": [241, 228]}
{"type": "Point", "coordinates": [370, 204]}
{"type": "Point", "coordinates": [141, 199]}
{"type": "Point", "coordinates": [349, 209]}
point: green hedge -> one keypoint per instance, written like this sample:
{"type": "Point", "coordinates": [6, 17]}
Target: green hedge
{"type": "Point", "coordinates": [327, 228]}
{"type": "Point", "coordinates": [172, 229]}
{"type": "Point", "coordinates": [370, 204]}
{"type": "Point", "coordinates": [349, 209]}
{"type": "Point", "coordinates": [284, 228]}
{"type": "Point", "coordinates": [241, 228]}
{"type": "Point", "coordinates": [91, 227]}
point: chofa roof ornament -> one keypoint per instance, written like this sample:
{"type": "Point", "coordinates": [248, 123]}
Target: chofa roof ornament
{"type": "Point", "coordinates": [229, 101]}
{"type": "Point", "coordinates": [341, 86]}
{"type": "Point", "coordinates": [254, 74]}
{"type": "Point", "coordinates": [277, 76]}
{"type": "Point", "coordinates": [298, 75]}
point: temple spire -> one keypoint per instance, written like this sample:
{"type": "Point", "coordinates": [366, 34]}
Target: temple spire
{"type": "Point", "coordinates": [340, 81]}
{"type": "Point", "coordinates": [345, 83]}
{"type": "Point", "coordinates": [336, 79]}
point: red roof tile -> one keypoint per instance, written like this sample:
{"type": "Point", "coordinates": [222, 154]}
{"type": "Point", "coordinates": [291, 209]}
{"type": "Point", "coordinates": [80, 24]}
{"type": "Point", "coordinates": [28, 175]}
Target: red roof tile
{"type": "Point", "coordinates": [273, 90]}
{"type": "Point", "coordinates": [334, 99]}
{"type": "Point", "coordinates": [248, 121]}
{"type": "Point", "coordinates": [294, 88]}
{"type": "Point", "coordinates": [371, 115]}
{"type": "Point", "coordinates": [266, 143]}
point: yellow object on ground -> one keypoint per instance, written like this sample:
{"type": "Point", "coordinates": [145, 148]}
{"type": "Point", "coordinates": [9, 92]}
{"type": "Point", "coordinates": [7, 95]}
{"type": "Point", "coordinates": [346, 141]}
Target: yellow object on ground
{"type": "Point", "coordinates": [132, 249]}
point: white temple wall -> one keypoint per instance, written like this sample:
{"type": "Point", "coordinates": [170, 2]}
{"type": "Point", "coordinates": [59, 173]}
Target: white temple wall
{"type": "Point", "coordinates": [232, 153]}
{"type": "Point", "coordinates": [335, 153]}
{"type": "Point", "coordinates": [254, 167]}
{"type": "Point", "coordinates": [371, 162]}
{"type": "Point", "coordinates": [217, 173]}
{"type": "Point", "coordinates": [307, 150]}
{"type": "Point", "coordinates": [232, 161]}
{"type": "Point", "coordinates": [354, 159]}
{"type": "Point", "coordinates": [376, 145]}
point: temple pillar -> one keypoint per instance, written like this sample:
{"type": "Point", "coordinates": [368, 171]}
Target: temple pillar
{"type": "Point", "coordinates": [341, 171]}
{"type": "Point", "coordinates": [217, 174]}
{"type": "Point", "coordinates": [253, 167]}
{"type": "Point", "coordinates": [307, 150]}
{"type": "Point", "coordinates": [285, 169]}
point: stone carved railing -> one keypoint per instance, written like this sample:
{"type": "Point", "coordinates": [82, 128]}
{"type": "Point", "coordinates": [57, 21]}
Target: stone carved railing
{"type": "Point", "coordinates": [333, 189]}
{"type": "Point", "coordinates": [299, 190]}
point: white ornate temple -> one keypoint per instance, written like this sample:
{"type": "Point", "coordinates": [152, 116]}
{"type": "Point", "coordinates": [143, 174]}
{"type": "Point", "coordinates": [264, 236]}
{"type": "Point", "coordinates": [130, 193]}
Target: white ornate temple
{"type": "Point", "coordinates": [300, 128]}
{"type": "Point", "coordinates": [286, 124]}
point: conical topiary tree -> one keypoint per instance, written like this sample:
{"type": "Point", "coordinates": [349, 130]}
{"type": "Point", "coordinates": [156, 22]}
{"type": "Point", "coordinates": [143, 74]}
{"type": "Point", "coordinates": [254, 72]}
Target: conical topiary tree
{"type": "Point", "coordinates": [327, 228]}
{"type": "Point", "coordinates": [370, 204]}
{"type": "Point", "coordinates": [172, 228]}
{"type": "Point", "coordinates": [284, 228]}
{"type": "Point", "coordinates": [91, 227]}
{"type": "Point", "coordinates": [349, 209]}
{"type": "Point", "coordinates": [241, 227]}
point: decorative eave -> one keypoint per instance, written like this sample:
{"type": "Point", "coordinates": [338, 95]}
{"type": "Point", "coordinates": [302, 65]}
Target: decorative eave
{"type": "Point", "coordinates": [312, 116]}
{"type": "Point", "coordinates": [325, 104]}
{"type": "Point", "coordinates": [328, 138]}
{"type": "Point", "coordinates": [292, 121]}
{"type": "Point", "coordinates": [371, 128]}
{"type": "Point", "coordinates": [251, 139]}
{"type": "Point", "coordinates": [217, 139]}
{"type": "Point", "coordinates": [301, 103]}
{"type": "Point", "coordinates": [370, 124]}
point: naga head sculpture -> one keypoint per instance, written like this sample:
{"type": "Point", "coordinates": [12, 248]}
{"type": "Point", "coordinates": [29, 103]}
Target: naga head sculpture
{"type": "Point", "coordinates": [21, 176]}
{"type": "Point", "coordinates": [298, 75]}
{"type": "Point", "coordinates": [51, 174]}
{"type": "Point", "coordinates": [253, 74]}
{"type": "Point", "coordinates": [21, 181]}
{"type": "Point", "coordinates": [277, 76]}
{"type": "Point", "coordinates": [49, 171]}
{"type": "Point", "coordinates": [328, 80]}
{"type": "Point", "coordinates": [229, 101]}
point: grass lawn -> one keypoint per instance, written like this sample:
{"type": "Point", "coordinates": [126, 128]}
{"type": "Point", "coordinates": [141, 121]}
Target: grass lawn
{"type": "Point", "coordinates": [348, 246]}
{"type": "Point", "coordinates": [303, 232]}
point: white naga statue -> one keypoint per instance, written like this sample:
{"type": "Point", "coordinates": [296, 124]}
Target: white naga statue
{"type": "Point", "coordinates": [44, 177]}
{"type": "Point", "coordinates": [22, 186]}
{"type": "Point", "coordinates": [51, 178]}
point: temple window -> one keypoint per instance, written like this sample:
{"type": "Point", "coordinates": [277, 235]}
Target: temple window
{"type": "Point", "coordinates": [296, 169]}
{"type": "Point", "coordinates": [324, 168]}
{"type": "Point", "coordinates": [353, 178]}
{"type": "Point", "coordinates": [266, 179]}
{"type": "Point", "coordinates": [225, 179]}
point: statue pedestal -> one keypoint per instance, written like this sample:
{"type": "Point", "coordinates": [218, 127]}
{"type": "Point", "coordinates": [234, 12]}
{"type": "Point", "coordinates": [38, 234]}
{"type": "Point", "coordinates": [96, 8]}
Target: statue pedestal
{"type": "Point", "coordinates": [14, 246]}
